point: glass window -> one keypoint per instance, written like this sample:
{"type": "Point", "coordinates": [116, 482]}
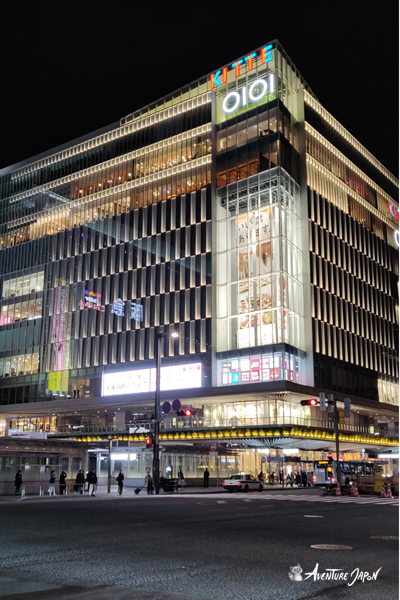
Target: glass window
{"type": "Point", "coordinates": [17, 314]}
{"type": "Point", "coordinates": [14, 366]}
{"type": "Point", "coordinates": [7, 367]}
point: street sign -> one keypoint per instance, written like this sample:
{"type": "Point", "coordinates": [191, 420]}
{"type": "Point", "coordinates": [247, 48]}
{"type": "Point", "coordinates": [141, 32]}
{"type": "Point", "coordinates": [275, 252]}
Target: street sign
{"type": "Point", "coordinates": [213, 447]}
{"type": "Point", "coordinates": [166, 407]}
{"type": "Point", "coordinates": [213, 454]}
{"type": "Point", "coordinates": [322, 401]}
{"type": "Point", "coordinates": [176, 404]}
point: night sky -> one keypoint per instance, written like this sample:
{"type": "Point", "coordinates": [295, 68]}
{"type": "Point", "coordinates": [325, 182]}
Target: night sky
{"type": "Point", "coordinates": [70, 68]}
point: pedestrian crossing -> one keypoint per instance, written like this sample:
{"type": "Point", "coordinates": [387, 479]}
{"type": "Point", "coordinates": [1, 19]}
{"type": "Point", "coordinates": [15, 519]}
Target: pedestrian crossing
{"type": "Point", "coordinates": [252, 497]}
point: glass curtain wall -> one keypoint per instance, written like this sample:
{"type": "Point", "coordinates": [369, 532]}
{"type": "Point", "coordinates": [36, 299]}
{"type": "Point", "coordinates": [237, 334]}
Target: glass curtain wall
{"type": "Point", "coordinates": [259, 294]}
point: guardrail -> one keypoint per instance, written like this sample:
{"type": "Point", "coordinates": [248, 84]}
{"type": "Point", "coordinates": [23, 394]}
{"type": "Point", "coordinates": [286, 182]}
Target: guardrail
{"type": "Point", "coordinates": [31, 488]}
{"type": "Point", "coordinates": [102, 429]}
{"type": "Point", "coordinates": [193, 423]}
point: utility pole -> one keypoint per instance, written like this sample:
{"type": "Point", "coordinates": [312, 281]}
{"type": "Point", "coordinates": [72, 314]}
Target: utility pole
{"type": "Point", "coordinates": [109, 465]}
{"type": "Point", "coordinates": [156, 454]}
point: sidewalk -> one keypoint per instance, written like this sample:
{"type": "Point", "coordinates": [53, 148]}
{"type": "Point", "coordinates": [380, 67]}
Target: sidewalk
{"type": "Point", "coordinates": [129, 492]}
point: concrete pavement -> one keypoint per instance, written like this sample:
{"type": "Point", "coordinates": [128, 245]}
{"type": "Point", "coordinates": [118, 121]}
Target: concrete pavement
{"type": "Point", "coordinates": [219, 546]}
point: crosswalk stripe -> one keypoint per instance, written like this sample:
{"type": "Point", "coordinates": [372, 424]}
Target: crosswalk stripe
{"type": "Point", "coordinates": [360, 500]}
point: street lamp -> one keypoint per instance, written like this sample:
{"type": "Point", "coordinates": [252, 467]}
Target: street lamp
{"type": "Point", "coordinates": [156, 451]}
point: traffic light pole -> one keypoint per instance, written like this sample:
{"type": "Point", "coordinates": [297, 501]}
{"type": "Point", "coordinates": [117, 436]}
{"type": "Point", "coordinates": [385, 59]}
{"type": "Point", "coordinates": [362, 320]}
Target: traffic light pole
{"type": "Point", "coordinates": [333, 401]}
{"type": "Point", "coordinates": [338, 471]}
{"type": "Point", "coordinates": [109, 465]}
{"type": "Point", "coordinates": [156, 454]}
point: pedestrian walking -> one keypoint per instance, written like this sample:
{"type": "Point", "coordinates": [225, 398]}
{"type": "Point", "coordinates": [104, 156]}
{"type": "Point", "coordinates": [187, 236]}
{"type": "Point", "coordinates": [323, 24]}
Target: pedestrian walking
{"type": "Point", "coordinates": [52, 489]}
{"type": "Point", "coordinates": [148, 482]}
{"type": "Point", "coordinates": [309, 478]}
{"type": "Point", "coordinates": [92, 480]}
{"type": "Point", "coordinates": [63, 483]}
{"type": "Point", "coordinates": [162, 482]}
{"type": "Point", "coordinates": [120, 481]}
{"type": "Point", "coordinates": [298, 480]}
{"type": "Point", "coordinates": [290, 480]}
{"type": "Point", "coordinates": [304, 478]}
{"type": "Point", "coordinates": [206, 477]}
{"type": "Point", "coordinates": [79, 482]}
{"type": "Point", "coordinates": [280, 476]}
{"type": "Point", "coordinates": [180, 477]}
{"type": "Point", "coordinates": [18, 481]}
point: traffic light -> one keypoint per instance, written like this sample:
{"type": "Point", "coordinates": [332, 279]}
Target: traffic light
{"type": "Point", "coordinates": [187, 412]}
{"type": "Point", "coordinates": [149, 441]}
{"type": "Point", "coordinates": [311, 402]}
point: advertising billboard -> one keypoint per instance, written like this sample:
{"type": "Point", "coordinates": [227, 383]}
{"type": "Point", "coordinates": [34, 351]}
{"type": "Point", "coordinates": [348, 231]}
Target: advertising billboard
{"type": "Point", "coordinates": [178, 377]}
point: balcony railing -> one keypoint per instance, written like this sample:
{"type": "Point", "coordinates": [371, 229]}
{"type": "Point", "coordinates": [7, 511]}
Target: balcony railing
{"type": "Point", "coordinates": [202, 423]}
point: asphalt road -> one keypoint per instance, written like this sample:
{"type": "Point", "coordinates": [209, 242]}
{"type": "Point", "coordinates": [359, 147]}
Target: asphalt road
{"type": "Point", "coordinates": [219, 546]}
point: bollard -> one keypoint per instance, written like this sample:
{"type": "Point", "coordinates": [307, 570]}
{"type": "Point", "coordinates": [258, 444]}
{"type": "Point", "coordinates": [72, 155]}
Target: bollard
{"type": "Point", "coordinates": [23, 492]}
{"type": "Point", "coordinates": [40, 490]}
{"type": "Point", "coordinates": [67, 490]}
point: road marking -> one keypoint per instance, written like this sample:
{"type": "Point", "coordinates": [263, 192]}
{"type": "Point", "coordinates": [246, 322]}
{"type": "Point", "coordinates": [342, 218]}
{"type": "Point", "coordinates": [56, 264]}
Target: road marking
{"type": "Point", "coordinates": [291, 498]}
{"type": "Point", "coordinates": [331, 547]}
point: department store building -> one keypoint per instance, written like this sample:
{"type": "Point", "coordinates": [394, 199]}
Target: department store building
{"type": "Point", "coordinates": [235, 211]}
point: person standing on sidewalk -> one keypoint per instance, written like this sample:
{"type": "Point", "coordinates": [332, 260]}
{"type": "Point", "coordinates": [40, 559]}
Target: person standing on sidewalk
{"type": "Point", "coordinates": [79, 482]}
{"type": "Point", "coordinates": [18, 481]}
{"type": "Point", "coordinates": [120, 481]}
{"type": "Point", "coordinates": [92, 480]}
{"type": "Point", "coordinates": [180, 477]}
{"type": "Point", "coordinates": [63, 483]}
{"type": "Point", "coordinates": [52, 489]}
{"type": "Point", "coordinates": [309, 478]}
{"type": "Point", "coordinates": [148, 482]}
{"type": "Point", "coordinates": [206, 477]}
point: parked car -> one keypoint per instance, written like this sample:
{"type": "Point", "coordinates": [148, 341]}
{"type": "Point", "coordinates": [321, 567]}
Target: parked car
{"type": "Point", "coordinates": [242, 483]}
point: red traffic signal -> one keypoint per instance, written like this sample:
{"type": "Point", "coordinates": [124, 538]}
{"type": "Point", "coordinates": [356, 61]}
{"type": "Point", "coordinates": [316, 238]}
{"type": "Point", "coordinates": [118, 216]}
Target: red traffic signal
{"type": "Point", "coordinates": [187, 412]}
{"type": "Point", "coordinates": [311, 402]}
{"type": "Point", "coordinates": [149, 441]}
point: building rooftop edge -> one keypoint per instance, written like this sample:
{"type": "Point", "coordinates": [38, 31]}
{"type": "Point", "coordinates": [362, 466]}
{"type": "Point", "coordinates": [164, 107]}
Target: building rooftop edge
{"type": "Point", "coordinates": [59, 148]}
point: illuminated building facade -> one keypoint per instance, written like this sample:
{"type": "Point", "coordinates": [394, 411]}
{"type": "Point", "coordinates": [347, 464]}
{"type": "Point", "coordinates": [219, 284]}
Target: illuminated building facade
{"type": "Point", "coordinates": [236, 211]}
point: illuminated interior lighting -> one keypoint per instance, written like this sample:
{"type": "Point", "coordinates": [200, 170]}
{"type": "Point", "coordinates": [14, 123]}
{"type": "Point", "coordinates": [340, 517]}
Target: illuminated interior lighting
{"type": "Point", "coordinates": [311, 101]}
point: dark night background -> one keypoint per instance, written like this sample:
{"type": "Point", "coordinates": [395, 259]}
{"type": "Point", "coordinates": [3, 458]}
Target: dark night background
{"type": "Point", "coordinates": [70, 68]}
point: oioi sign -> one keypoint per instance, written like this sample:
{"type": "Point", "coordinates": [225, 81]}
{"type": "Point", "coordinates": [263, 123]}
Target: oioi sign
{"type": "Point", "coordinates": [253, 93]}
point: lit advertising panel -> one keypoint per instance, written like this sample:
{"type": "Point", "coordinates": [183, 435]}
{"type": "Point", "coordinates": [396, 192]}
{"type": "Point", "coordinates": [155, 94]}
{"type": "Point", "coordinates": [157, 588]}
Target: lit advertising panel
{"type": "Point", "coordinates": [177, 377]}
{"type": "Point", "coordinates": [126, 382]}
